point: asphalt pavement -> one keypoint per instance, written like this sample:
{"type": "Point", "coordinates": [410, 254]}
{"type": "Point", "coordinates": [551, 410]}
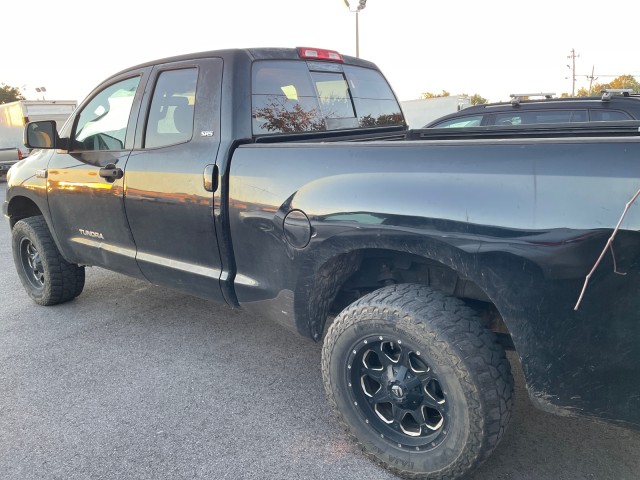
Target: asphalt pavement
{"type": "Point", "coordinates": [134, 381]}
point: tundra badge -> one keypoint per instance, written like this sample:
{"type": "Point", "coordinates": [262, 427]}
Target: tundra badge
{"type": "Point", "coordinates": [89, 233]}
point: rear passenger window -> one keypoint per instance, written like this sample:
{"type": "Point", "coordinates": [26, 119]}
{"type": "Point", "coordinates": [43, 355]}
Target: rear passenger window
{"type": "Point", "coordinates": [608, 116]}
{"type": "Point", "coordinates": [471, 121]}
{"type": "Point", "coordinates": [170, 119]}
{"type": "Point", "coordinates": [540, 116]}
{"type": "Point", "coordinates": [552, 116]}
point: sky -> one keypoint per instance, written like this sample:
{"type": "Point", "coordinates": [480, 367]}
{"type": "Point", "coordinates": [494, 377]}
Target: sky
{"type": "Point", "coordinates": [492, 47]}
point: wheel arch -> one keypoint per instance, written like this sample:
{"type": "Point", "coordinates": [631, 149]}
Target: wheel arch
{"type": "Point", "coordinates": [342, 275]}
{"type": "Point", "coordinates": [20, 207]}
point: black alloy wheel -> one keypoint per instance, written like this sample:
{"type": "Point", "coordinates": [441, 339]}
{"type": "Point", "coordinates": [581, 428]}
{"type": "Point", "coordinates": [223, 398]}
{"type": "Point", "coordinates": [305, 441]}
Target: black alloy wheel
{"type": "Point", "coordinates": [32, 264]}
{"type": "Point", "coordinates": [398, 392]}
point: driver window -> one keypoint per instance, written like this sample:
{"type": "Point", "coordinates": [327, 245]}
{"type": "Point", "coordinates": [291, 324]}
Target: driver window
{"type": "Point", "coordinates": [102, 124]}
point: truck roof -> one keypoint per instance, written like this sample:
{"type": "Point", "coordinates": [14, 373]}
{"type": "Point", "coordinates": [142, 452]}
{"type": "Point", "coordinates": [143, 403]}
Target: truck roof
{"type": "Point", "coordinates": [249, 54]}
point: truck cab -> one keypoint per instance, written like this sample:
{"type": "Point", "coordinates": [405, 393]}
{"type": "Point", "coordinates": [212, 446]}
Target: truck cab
{"type": "Point", "coordinates": [150, 147]}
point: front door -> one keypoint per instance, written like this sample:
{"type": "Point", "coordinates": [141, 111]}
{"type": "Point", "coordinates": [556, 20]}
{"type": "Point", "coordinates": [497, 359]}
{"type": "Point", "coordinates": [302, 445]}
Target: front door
{"type": "Point", "coordinates": [86, 184]}
{"type": "Point", "coordinates": [170, 178]}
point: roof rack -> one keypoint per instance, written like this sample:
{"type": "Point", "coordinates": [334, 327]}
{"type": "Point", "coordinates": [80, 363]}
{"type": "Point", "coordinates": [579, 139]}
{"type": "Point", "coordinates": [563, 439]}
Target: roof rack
{"type": "Point", "coordinates": [516, 98]}
{"type": "Point", "coordinates": [608, 92]}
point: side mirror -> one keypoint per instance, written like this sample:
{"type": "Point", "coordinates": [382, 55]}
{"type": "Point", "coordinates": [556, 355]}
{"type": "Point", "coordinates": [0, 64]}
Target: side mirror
{"type": "Point", "coordinates": [41, 134]}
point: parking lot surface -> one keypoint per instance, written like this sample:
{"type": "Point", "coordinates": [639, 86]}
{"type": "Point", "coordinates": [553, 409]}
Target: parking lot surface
{"type": "Point", "coordinates": [134, 381]}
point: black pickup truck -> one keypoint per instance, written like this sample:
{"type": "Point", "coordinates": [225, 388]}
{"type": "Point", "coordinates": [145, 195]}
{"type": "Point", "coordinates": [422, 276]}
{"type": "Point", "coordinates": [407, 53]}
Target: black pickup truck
{"type": "Point", "coordinates": [286, 182]}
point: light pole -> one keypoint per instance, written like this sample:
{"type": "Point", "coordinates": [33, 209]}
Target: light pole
{"type": "Point", "coordinates": [41, 90]}
{"type": "Point", "coordinates": [361, 5]}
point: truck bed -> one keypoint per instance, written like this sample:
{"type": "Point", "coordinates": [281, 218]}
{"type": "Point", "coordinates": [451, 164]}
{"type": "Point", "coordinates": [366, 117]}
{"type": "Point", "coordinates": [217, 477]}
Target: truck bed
{"type": "Point", "coordinates": [544, 130]}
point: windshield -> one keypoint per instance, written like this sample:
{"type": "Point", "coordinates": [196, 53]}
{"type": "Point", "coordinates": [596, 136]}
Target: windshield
{"type": "Point", "coordinates": [294, 96]}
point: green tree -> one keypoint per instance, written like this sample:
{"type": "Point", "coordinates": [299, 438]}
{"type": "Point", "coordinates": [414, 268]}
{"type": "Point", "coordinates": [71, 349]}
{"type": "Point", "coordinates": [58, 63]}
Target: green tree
{"type": "Point", "coordinates": [476, 99]}
{"type": "Point", "coordinates": [9, 94]}
{"type": "Point", "coordinates": [582, 92]}
{"type": "Point", "coordinates": [623, 81]}
{"type": "Point", "coordinates": [426, 95]}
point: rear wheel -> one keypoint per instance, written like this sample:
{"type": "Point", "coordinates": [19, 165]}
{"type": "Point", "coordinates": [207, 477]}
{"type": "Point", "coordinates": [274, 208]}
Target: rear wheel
{"type": "Point", "coordinates": [46, 276]}
{"type": "Point", "coordinates": [418, 381]}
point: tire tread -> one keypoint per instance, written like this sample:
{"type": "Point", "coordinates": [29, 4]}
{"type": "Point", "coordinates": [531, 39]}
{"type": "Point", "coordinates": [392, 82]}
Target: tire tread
{"type": "Point", "coordinates": [65, 280]}
{"type": "Point", "coordinates": [461, 335]}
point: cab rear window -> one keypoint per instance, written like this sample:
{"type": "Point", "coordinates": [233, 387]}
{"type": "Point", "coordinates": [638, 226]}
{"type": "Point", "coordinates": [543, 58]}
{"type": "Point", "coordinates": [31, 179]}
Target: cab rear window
{"type": "Point", "coordinates": [294, 96]}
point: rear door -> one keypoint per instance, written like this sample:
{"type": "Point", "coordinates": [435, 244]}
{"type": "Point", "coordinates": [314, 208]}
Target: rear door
{"type": "Point", "coordinates": [170, 177]}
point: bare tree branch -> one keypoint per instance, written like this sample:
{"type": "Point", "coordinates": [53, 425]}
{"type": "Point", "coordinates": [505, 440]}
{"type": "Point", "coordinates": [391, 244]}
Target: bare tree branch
{"type": "Point", "coordinates": [606, 247]}
{"type": "Point", "coordinates": [615, 265]}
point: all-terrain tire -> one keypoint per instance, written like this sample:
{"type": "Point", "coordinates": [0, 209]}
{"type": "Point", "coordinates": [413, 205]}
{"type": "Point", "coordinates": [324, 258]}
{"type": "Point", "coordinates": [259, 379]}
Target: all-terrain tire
{"type": "Point", "coordinates": [418, 381]}
{"type": "Point", "coordinates": [46, 276]}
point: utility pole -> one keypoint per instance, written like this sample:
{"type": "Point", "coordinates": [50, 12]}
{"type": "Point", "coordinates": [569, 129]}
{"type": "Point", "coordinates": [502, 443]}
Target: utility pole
{"type": "Point", "coordinates": [591, 78]}
{"type": "Point", "coordinates": [573, 57]}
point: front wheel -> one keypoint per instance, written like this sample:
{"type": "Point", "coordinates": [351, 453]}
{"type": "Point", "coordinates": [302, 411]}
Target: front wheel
{"type": "Point", "coordinates": [418, 381]}
{"type": "Point", "coordinates": [46, 276]}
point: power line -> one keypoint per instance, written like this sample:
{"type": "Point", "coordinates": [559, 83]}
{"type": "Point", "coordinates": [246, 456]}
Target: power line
{"type": "Point", "coordinates": [615, 76]}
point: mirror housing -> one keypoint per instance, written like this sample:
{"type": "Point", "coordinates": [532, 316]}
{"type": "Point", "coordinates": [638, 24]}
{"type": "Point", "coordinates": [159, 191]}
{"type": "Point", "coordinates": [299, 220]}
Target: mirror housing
{"type": "Point", "coordinates": [42, 134]}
